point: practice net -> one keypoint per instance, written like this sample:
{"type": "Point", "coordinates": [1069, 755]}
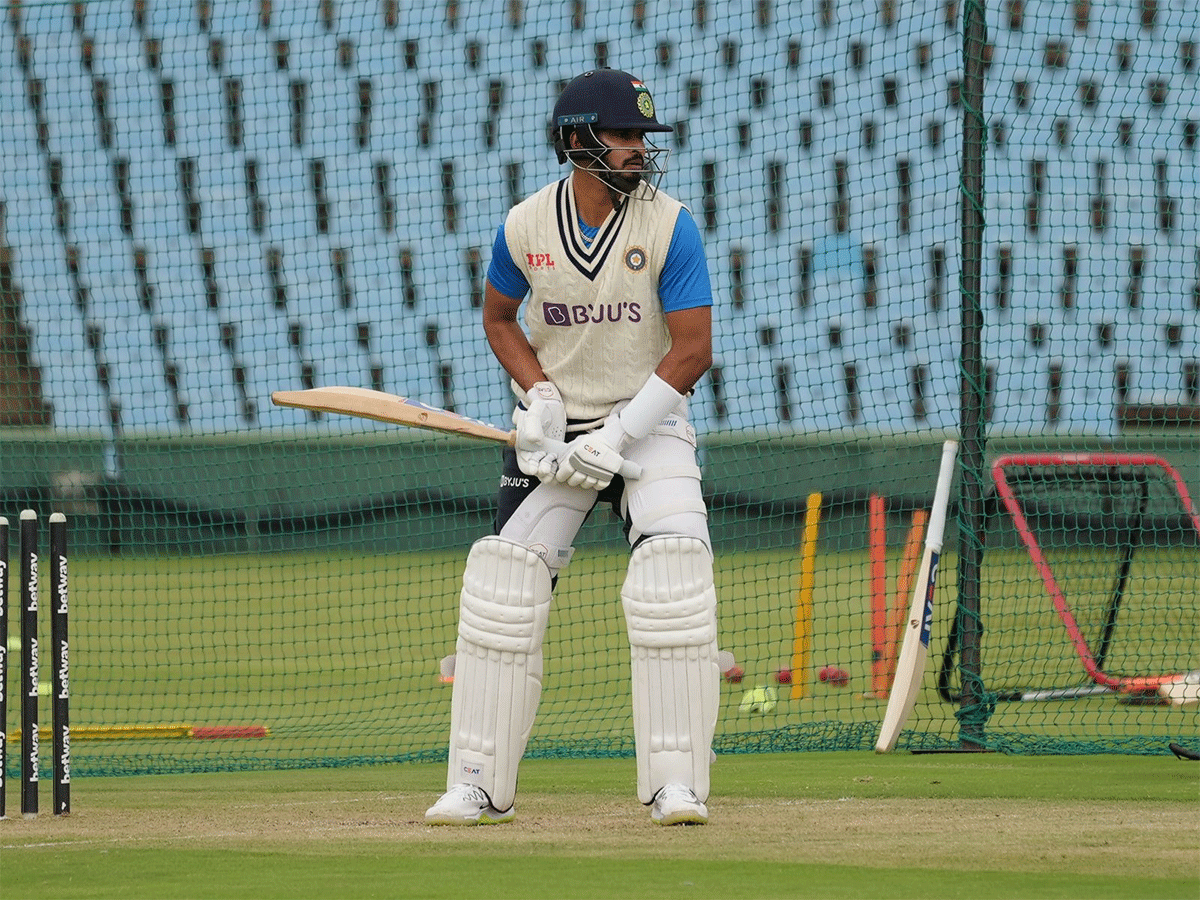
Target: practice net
{"type": "Point", "coordinates": [1110, 544]}
{"type": "Point", "coordinates": [203, 202]}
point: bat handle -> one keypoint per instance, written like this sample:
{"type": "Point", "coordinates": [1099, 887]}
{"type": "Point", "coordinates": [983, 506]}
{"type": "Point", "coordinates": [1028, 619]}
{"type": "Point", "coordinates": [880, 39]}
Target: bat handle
{"type": "Point", "coordinates": [629, 469]}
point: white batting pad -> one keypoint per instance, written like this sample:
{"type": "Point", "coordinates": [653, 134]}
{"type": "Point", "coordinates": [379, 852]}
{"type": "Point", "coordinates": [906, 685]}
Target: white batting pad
{"type": "Point", "coordinates": [671, 612]}
{"type": "Point", "coordinates": [504, 607]}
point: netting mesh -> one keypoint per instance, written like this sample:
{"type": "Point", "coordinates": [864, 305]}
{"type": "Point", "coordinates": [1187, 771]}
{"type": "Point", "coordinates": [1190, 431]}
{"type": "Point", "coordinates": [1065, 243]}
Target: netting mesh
{"type": "Point", "coordinates": [1112, 540]}
{"type": "Point", "coordinates": [204, 202]}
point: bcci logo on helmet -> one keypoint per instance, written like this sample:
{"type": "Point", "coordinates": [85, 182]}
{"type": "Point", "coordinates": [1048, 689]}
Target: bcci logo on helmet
{"type": "Point", "coordinates": [645, 103]}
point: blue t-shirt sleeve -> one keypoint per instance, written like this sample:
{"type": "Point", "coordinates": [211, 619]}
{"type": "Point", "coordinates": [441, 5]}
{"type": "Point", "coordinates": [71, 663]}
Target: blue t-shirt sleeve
{"type": "Point", "coordinates": [503, 272]}
{"type": "Point", "coordinates": [684, 283]}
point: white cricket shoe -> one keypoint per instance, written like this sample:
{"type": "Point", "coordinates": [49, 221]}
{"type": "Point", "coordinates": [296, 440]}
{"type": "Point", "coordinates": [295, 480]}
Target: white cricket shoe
{"type": "Point", "coordinates": [675, 804]}
{"type": "Point", "coordinates": [466, 804]}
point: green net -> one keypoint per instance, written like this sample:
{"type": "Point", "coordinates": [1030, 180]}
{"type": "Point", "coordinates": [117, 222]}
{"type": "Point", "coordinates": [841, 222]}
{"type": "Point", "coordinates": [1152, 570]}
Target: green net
{"type": "Point", "coordinates": [923, 220]}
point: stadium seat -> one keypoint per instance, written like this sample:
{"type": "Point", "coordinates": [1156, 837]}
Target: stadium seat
{"type": "Point", "coordinates": [1098, 104]}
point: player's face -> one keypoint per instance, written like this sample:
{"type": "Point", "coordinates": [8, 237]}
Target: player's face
{"type": "Point", "coordinates": [628, 147]}
{"type": "Point", "coordinates": [626, 157]}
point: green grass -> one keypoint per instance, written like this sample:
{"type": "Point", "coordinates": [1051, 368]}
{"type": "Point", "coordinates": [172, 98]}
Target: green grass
{"type": "Point", "coordinates": [783, 825]}
{"type": "Point", "coordinates": [339, 656]}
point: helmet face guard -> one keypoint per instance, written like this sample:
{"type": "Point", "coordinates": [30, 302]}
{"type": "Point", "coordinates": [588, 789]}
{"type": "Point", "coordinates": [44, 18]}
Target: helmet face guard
{"type": "Point", "coordinates": [593, 154]}
{"type": "Point", "coordinates": [609, 100]}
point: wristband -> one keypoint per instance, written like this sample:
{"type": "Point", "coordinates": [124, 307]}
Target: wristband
{"type": "Point", "coordinates": [648, 407]}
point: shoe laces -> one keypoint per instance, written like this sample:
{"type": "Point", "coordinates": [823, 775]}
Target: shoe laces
{"type": "Point", "coordinates": [676, 791]}
{"type": "Point", "coordinates": [471, 792]}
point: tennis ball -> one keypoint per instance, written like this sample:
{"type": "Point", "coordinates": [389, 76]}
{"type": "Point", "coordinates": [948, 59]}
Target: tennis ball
{"type": "Point", "coordinates": [759, 700]}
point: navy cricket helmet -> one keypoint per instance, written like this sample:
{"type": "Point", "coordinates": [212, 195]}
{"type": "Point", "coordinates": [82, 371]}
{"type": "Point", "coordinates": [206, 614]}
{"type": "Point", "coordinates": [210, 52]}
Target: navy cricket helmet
{"type": "Point", "coordinates": [605, 100]}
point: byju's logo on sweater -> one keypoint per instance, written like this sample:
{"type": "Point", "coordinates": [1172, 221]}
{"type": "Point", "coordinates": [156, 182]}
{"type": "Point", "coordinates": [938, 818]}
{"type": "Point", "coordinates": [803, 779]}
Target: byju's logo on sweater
{"type": "Point", "coordinates": [579, 314]}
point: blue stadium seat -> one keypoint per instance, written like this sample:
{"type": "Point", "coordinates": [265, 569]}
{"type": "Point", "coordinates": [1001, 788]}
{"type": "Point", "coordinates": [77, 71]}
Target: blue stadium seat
{"type": "Point", "coordinates": [920, 54]}
{"type": "Point", "coordinates": [410, 366]}
{"type": "Point", "coordinates": [230, 19]}
{"type": "Point", "coordinates": [57, 334]}
{"type": "Point", "coordinates": [299, 21]}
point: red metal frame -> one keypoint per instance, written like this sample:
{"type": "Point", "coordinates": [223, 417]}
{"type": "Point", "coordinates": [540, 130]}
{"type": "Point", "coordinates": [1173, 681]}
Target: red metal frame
{"type": "Point", "coordinates": [1061, 606]}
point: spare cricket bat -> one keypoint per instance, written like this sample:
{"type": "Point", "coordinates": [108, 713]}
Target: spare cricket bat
{"type": "Point", "coordinates": [910, 666]}
{"type": "Point", "coordinates": [397, 410]}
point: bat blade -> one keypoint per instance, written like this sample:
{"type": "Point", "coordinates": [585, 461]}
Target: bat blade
{"type": "Point", "coordinates": [910, 666]}
{"type": "Point", "coordinates": [392, 408]}
{"type": "Point", "coordinates": [396, 410]}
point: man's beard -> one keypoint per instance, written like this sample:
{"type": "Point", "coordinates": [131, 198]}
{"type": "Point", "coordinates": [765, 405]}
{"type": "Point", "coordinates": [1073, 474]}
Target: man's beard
{"type": "Point", "coordinates": [623, 180]}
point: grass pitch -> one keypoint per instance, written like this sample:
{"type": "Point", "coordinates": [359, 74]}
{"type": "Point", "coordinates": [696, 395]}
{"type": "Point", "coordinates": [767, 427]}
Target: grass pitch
{"type": "Point", "coordinates": [783, 825]}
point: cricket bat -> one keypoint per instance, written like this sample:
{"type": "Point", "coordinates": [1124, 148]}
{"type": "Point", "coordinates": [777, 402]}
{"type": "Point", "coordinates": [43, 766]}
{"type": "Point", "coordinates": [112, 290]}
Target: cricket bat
{"type": "Point", "coordinates": [910, 666]}
{"type": "Point", "coordinates": [397, 410]}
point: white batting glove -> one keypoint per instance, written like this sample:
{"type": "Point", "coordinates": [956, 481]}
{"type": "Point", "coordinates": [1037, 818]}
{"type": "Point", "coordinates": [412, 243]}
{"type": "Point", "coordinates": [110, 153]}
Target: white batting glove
{"type": "Point", "coordinates": [544, 416]}
{"type": "Point", "coordinates": [592, 459]}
